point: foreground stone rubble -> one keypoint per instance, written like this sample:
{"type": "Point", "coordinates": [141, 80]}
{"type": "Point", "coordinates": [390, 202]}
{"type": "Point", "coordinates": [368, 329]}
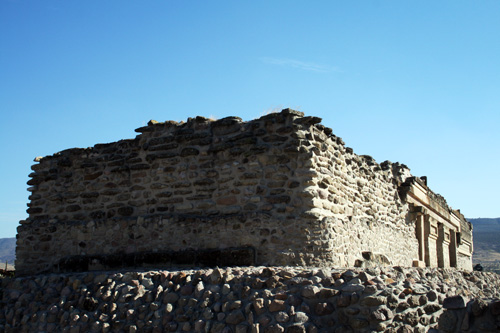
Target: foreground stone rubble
{"type": "Point", "coordinates": [254, 299]}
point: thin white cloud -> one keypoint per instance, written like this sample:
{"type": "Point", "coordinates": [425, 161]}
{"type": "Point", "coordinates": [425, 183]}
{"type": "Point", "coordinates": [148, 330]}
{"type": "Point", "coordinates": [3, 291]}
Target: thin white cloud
{"type": "Point", "coordinates": [306, 66]}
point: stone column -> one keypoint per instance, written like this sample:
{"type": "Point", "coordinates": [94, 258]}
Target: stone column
{"type": "Point", "coordinates": [443, 246]}
{"type": "Point", "coordinates": [431, 239]}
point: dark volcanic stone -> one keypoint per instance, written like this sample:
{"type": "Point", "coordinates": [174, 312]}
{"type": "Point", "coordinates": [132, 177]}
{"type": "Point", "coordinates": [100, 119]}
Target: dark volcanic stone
{"type": "Point", "coordinates": [454, 302]}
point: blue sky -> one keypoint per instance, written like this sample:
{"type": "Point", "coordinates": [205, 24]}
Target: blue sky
{"type": "Point", "coordinates": [411, 81]}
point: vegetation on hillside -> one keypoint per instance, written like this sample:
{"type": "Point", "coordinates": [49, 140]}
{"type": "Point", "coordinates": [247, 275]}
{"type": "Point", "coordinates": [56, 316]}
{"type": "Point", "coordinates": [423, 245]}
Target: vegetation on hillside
{"type": "Point", "coordinates": [7, 251]}
{"type": "Point", "coordinates": [486, 235]}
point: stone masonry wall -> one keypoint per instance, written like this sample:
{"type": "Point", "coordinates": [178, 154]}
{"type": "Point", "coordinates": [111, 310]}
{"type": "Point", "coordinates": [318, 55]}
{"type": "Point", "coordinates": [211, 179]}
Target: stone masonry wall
{"type": "Point", "coordinates": [199, 184]}
{"type": "Point", "coordinates": [282, 186]}
{"type": "Point", "coordinates": [357, 201]}
{"type": "Point", "coordinates": [254, 299]}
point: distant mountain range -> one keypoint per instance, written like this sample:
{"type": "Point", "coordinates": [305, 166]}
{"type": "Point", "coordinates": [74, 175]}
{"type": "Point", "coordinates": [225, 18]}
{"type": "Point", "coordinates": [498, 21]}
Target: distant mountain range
{"type": "Point", "coordinates": [486, 224]}
{"type": "Point", "coordinates": [486, 235]}
{"type": "Point", "coordinates": [7, 251]}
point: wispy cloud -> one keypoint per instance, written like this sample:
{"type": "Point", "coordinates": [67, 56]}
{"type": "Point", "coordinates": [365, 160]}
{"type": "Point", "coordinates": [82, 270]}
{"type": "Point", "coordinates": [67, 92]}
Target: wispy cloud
{"type": "Point", "coordinates": [306, 66]}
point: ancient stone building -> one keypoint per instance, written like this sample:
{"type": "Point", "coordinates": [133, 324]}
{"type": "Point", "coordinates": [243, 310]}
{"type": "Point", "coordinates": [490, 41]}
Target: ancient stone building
{"type": "Point", "coordinates": [278, 190]}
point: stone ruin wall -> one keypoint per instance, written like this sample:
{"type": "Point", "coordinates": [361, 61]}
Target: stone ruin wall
{"type": "Point", "coordinates": [254, 299]}
{"type": "Point", "coordinates": [282, 185]}
{"type": "Point", "coordinates": [356, 202]}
